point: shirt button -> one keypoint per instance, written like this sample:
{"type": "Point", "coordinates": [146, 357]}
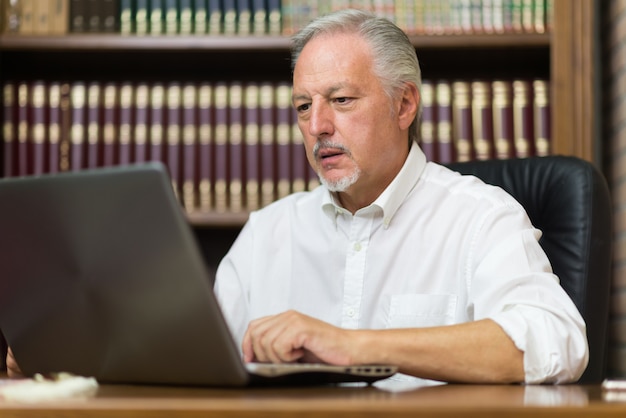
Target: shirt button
{"type": "Point", "coordinates": [351, 312]}
{"type": "Point", "coordinates": [357, 246]}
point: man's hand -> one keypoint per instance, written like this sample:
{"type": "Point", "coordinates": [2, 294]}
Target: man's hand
{"type": "Point", "coordinates": [13, 369]}
{"type": "Point", "coordinates": [292, 336]}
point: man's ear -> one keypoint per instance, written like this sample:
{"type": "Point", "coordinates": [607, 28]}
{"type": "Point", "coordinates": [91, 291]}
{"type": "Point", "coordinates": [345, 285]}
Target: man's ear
{"type": "Point", "coordinates": [409, 104]}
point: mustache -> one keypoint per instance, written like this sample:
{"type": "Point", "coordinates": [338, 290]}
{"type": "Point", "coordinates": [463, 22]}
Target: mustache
{"type": "Point", "coordinates": [322, 145]}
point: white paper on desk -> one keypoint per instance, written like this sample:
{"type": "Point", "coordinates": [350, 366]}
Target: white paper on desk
{"type": "Point", "coordinates": [39, 389]}
{"type": "Point", "coordinates": [402, 383]}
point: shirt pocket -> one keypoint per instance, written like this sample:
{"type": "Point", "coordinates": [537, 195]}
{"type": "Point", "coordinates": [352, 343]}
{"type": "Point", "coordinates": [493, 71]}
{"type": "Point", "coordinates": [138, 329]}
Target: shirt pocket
{"type": "Point", "coordinates": [421, 310]}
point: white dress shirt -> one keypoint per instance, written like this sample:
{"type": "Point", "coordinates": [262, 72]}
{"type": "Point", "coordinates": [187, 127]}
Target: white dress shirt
{"type": "Point", "coordinates": [435, 248]}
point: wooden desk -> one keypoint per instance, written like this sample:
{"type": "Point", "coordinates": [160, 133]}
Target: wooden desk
{"type": "Point", "coordinates": [569, 401]}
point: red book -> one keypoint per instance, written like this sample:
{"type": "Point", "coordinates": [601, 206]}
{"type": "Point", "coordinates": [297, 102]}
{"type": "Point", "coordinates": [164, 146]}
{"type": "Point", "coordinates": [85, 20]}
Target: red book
{"type": "Point", "coordinates": [220, 137]}
{"type": "Point", "coordinates": [110, 123]}
{"type": "Point", "coordinates": [126, 106]}
{"type": "Point", "coordinates": [503, 119]}
{"type": "Point", "coordinates": [39, 123]}
{"type": "Point", "coordinates": [140, 126]}
{"type": "Point", "coordinates": [446, 152]}
{"type": "Point", "coordinates": [523, 119]}
{"type": "Point", "coordinates": [23, 129]}
{"type": "Point", "coordinates": [482, 120]}
{"type": "Point", "coordinates": [94, 125]}
{"type": "Point", "coordinates": [9, 129]}
{"type": "Point", "coordinates": [54, 126]}
{"type": "Point", "coordinates": [252, 138]}
{"type": "Point", "coordinates": [205, 143]}
{"type": "Point", "coordinates": [462, 120]}
{"type": "Point", "coordinates": [190, 143]}
{"type": "Point", "coordinates": [174, 124]}
{"type": "Point", "coordinates": [79, 122]}
{"type": "Point", "coordinates": [268, 158]}
{"type": "Point", "coordinates": [542, 117]}
{"type": "Point", "coordinates": [235, 138]}
{"type": "Point", "coordinates": [427, 127]}
{"type": "Point", "coordinates": [157, 122]}
{"type": "Point", "coordinates": [298, 153]}
{"type": "Point", "coordinates": [283, 138]}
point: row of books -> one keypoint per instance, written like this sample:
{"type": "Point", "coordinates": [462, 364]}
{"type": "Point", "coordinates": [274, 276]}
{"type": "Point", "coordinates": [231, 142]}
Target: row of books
{"type": "Point", "coordinates": [262, 17]}
{"type": "Point", "coordinates": [230, 146]}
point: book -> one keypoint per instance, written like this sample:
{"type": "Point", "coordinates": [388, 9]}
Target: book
{"type": "Point", "coordinates": [156, 18]}
{"type": "Point", "coordinates": [283, 139]}
{"type": "Point", "coordinates": [41, 17]}
{"type": "Point", "coordinates": [23, 128]}
{"type": "Point", "coordinates": [542, 117]}
{"type": "Point", "coordinates": [482, 120]}
{"type": "Point", "coordinates": [205, 141]}
{"type": "Point", "coordinates": [92, 16]}
{"type": "Point", "coordinates": [446, 152]}
{"type": "Point", "coordinates": [142, 17]}
{"type": "Point", "coordinates": [462, 120]}
{"type": "Point", "coordinates": [109, 16]}
{"type": "Point", "coordinates": [63, 152]}
{"type": "Point", "coordinates": [260, 21]}
{"type": "Point", "coordinates": [252, 140]}
{"type": "Point", "coordinates": [125, 132]}
{"type": "Point", "coordinates": [173, 99]}
{"type": "Point", "coordinates": [427, 126]}
{"type": "Point", "coordinates": [78, 16]}
{"type": "Point", "coordinates": [244, 17]}
{"type": "Point", "coordinates": [55, 123]}
{"type": "Point", "coordinates": [157, 122]}
{"type": "Point", "coordinates": [110, 123]}
{"type": "Point", "coordinates": [9, 126]}
{"type": "Point", "coordinates": [215, 17]}
{"type": "Point", "coordinates": [523, 124]}
{"type": "Point", "coordinates": [229, 10]}
{"type": "Point", "coordinates": [172, 18]}
{"type": "Point", "coordinates": [274, 17]}
{"type": "Point", "coordinates": [59, 17]}
{"type": "Point", "coordinates": [140, 122]}
{"type": "Point", "coordinates": [185, 17]}
{"type": "Point", "coordinates": [26, 21]}
{"type": "Point", "coordinates": [77, 130]}
{"type": "Point", "coordinates": [235, 144]}
{"type": "Point", "coordinates": [190, 143]}
{"type": "Point", "coordinates": [127, 17]}
{"type": "Point", "coordinates": [94, 124]}
{"type": "Point", "coordinates": [200, 17]}
{"type": "Point", "coordinates": [503, 119]}
{"type": "Point", "coordinates": [268, 125]}
{"type": "Point", "coordinates": [220, 138]}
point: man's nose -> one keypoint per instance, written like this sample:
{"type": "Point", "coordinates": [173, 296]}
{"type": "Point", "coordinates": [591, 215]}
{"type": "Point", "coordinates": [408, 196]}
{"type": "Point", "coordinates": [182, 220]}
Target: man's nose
{"type": "Point", "coordinates": [320, 121]}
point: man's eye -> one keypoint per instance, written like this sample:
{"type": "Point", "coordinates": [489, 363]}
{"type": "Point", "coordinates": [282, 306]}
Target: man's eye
{"type": "Point", "coordinates": [342, 99]}
{"type": "Point", "coordinates": [303, 107]}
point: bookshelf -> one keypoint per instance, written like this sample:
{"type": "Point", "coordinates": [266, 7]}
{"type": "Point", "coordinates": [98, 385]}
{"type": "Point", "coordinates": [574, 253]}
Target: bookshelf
{"type": "Point", "coordinates": [564, 56]}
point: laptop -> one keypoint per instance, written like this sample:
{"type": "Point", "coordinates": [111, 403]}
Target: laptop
{"type": "Point", "coordinates": [101, 275]}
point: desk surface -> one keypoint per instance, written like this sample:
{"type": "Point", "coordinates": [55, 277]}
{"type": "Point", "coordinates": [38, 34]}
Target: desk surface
{"type": "Point", "coordinates": [346, 402]}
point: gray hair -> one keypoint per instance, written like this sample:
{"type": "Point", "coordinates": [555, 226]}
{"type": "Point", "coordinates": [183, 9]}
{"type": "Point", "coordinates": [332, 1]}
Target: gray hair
{"type": "Point", "coordinates": [395, 60]}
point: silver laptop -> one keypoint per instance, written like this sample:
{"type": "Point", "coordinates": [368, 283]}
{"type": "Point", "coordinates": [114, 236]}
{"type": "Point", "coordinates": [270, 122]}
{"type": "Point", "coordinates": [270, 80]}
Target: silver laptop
{"type": "Point", "coordinates": [101, 275]}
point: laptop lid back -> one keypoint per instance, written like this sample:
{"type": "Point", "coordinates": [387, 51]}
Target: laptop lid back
{"type": "Point", "coordinates": [101, 276]}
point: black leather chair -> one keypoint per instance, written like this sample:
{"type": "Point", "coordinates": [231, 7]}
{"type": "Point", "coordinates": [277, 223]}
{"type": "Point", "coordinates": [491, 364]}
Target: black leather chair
{"type": "Point", "coordinates": [568, 199]}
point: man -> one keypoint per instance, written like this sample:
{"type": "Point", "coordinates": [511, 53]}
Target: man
{"type": "Point", "coordinates": [394, 259]}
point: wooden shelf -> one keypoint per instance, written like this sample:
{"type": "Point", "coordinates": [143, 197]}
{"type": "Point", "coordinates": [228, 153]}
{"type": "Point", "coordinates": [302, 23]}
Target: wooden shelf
{"type": "Point", "coordinates": [242, 43]}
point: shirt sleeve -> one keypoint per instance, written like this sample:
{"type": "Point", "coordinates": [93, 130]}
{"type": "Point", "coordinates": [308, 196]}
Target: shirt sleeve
{"type": "Point", "coordinates": [512, 283]}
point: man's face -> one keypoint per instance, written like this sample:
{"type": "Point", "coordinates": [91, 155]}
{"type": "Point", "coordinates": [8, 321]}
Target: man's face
{"type": "Point", "coordinates": [351, 129]}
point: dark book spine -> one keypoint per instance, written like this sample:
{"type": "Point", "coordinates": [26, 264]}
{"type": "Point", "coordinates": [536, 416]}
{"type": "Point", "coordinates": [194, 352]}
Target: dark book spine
{"type": "Point", "coordinates": [260, 21]}
{"type": "Point", "coordinates": [109, 16]}
{"type": "Point", "coordinates": [229, 10]}
{"type": "Point", "coordinates": [39, 125]}
{"type": "Point", "coordinates": [172, 19]}
{"type": "Point", "coordinates": [205, 140]}
{"type": "Point", "coordinates": [92, 16]}
{"type": "Point", "coordinates": [127, 103]}
{"type": "Point", "coordinates": [462, 120]}
{"type": "Point", "coordinates": [23, 128]}
{"type": "Point", "coordinates": [190, 144]}
{"type": "Point", "coordinates": [221, 146]}
{"type": "Point", "coordinates": [267, 122]}
{"type": "Point", "coordinates": [274, 17]}
{"type": "Point", "coordinates": [503, 119]}
{"type": "Point", "coordinates": [244, 17]}
{"type": "Point", "coordinates": [77, 133]}
{"type": "Point", "coordinates": [142, 17]}
{"type": "Point", "coordinates": [9, 125]}
{"type": "Point", "coordinates": [185, 16]}
{"type": "Point", "coordinates": [252, 139]}
{"type": "Point", "coordinates": [523, 119]}
{"type": "Point", "coordinates": [482, 120]}
{"type": "Point", "coordinates": [157, 122]}
{"type": "Point", "coordinates": [156, 17]}
{"type": "Point", "coordinates": [127, 17]}
{"type": "Point", "coordinates": [66, 126]}
{"type": "Point", "coordinates": [235, 137]}
{"type": "Point", "coordinates": [542, 117]}
{"type": "Point", "coordinates": [283, 139]}
{"type": "Point", "coordinates": [140, 126]}
{"type": "Point", "coordinates": [173, 103]}
{"type": "Point", "coordinates": [110, 123]}
{"type": "Point", "coordinates": [445, 148]}
{"type": "Point", "coordinates": [215, 17]}
{"type": "Point", "coordinates": [427, 127]}
{"type": "Point", "coordinates": [94, 125]}
{"type": "Point", "coordinates": [200, 19]}
{"type": "Point", "coordinates": [78, 15]}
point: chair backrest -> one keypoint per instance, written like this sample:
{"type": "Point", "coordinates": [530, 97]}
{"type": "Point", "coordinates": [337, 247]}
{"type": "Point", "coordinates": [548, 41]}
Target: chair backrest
{"type": "Point", "coordinates": [568, 199]}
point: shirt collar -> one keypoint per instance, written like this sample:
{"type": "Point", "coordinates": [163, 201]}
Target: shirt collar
{"type": "Point", "coordinates": [392, 197]}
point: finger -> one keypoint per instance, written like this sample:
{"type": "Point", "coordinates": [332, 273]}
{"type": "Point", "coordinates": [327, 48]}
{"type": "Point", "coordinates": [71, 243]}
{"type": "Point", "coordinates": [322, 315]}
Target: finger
{"type": "Point", "coordinates": [13, 369]}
